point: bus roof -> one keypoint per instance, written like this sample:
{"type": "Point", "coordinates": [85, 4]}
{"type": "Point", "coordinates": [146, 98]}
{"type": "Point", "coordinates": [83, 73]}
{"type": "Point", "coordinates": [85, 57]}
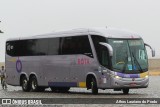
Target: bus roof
{"type": "Point", "coordinates": [106, 32]}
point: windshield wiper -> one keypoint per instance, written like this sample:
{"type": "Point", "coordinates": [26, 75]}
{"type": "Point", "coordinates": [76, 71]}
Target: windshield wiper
{"type": "Point", "coordinates": [125, 65]}
{"type": "Point", "coordinates": [135, 59]}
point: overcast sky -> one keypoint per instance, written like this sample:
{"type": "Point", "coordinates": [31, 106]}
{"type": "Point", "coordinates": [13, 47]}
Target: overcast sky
{"type": "Point", "coordinates": [31, 17]}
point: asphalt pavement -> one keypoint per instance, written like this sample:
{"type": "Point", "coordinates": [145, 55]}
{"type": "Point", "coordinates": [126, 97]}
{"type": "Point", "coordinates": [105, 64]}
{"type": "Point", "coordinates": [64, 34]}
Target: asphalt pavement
{"type": "Point", "coordinates": [153, 91]}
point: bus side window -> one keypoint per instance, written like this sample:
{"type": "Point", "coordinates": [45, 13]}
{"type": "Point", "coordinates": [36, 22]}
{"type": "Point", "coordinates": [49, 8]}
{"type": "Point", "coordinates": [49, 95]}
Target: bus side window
{"type": "Point", "coordinates": [83, 46]}
{"type": "Point", "coordinates": [54, 46]}
{"type": "Point", "coordinates": [42, 47]}
{"type": "Point", "coordinates": [76, 45]}
{"type": "Point", "coordinates": [101, 51]}
{"type": "Point", "coordinates": [11, 48]}
{"type": "Point", "coordinates": [66, 46]}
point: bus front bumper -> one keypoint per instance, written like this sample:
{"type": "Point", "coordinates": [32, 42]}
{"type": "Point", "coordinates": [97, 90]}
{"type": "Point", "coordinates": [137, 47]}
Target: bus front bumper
{"type": "Point", "coordinates": [129, 82]}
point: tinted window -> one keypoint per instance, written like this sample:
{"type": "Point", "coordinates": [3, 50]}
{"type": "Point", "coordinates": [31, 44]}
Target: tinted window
{"type": "Point", "coordinates": [67, 46]}
{"type": "Point", "coordinates": [27, 47]}
{"type": "Point", "coordinates": [51, 46]}
{"type": "Point", "coordinates": [12, 48]}
{"type": "Point", "coordinates": [76, 45]}
{"type": "Point", "coordinates": [54, 46]}
{"type": "Point", "coordinates": [102, 51]}
{"type": "Point", "coordinates": [41, 47]}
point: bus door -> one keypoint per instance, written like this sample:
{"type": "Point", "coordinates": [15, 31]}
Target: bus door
{"type": "Point", "coordinates": [83, 54]}
{"type": "Point", "coordinates": [104, 60]}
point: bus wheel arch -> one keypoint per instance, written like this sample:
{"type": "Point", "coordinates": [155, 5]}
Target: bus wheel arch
{"type": "Point", "coordinates": [24, 83]}
{"type": "Point", "coordinates": [91, 83]}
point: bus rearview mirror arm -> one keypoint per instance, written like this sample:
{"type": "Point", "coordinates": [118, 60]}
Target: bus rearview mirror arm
{"type": "Point", "coordinates": [108, 46]}
{"type": "Point", "coordinates": [152, 49]}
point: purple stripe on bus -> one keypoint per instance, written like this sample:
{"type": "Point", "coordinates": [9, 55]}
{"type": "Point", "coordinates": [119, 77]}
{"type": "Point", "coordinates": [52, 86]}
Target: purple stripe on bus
{"type": "Point", "coordinates": [63, 84]}
{"type": "Point", "coordinates": [134, 75]}
{"type": "Point", "coordinates": [128, 75]}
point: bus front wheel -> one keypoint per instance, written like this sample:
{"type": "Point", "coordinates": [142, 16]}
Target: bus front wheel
{"type": "Point", "coordinates": [94, 86]}
{"type": "Point", "coordinates": [25, 84]}
{"type": "Point", "coordinates": [125, 90]}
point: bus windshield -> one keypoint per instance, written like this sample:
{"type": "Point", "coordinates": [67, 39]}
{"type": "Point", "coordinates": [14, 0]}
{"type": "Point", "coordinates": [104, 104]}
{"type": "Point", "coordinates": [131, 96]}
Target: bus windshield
{"type": "Point", "coordinates": [129, 56]}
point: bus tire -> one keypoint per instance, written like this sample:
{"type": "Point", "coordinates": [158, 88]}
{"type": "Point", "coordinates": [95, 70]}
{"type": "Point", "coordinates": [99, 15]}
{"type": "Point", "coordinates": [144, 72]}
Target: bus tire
{"type": "Point", "coordinates": [125, 90]}
{"type": "Point", "coordinates": [34, 84]}
{"type": "Point", "coordinates": [94, 86]}
{"type": "Point", "coordinates": [25, 84]}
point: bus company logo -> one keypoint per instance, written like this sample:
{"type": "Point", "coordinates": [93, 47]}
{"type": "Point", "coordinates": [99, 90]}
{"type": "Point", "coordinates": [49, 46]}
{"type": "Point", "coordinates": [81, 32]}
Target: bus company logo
{"type": "Point", "coordinates": [6, 101]}
{"type": "Point", "coordinates": [19, 66]}
{"type": "Point", "coordinates": [83, 61]}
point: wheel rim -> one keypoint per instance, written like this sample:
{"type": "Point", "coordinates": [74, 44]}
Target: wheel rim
{"type": "Point", "coordinates": [25, 84]}
{"type": "Point", "coordinates": [92, 84]}
{"type": "Point", "coordinates": [34, 85]}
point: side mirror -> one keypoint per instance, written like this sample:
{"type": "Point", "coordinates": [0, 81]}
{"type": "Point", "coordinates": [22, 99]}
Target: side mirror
{"type": "Point", "coordinates": [152, 49]}
{"type": "Point", "coordinates": [108, 46]}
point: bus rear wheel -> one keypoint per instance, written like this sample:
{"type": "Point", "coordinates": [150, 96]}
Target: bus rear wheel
{"type": "Point", "coordinates": [25, 84]}
{"type": "Point", "coordinates": [94, 86]}
{"type": "Point", "coordinates": [34, 85]}
{"type": "Point", "coordinates": [125, 90]}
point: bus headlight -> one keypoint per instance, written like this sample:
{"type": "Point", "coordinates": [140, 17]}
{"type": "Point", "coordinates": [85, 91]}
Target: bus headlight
{"type": "Point", "coordinates": [117, 77]}
{"type": "Point", "coordinates": [146, 76]}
